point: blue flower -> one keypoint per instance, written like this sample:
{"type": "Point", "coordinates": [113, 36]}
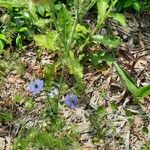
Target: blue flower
{"type": "Point", "coordinates": [71, 101]}
{"type": "Point", "coordinates": [35, 86]}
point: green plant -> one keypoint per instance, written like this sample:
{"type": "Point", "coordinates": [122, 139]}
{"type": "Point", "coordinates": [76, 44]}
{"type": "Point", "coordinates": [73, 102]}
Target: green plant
{"type": "Point", "coordinates": [19, 21]}
{"type": "Point", "coordinates": [5, 116]}
{"type": "Point", "coordinates": [49, 133]}
{"type": "Point", "coordinates": [126, 4]}
{"type": "Point", "coordinates": [96, 120]}
{"type": "Point", "coordinates": [138, 92]}
{"type": "Point", "coordinates": [69, 36]}
{"type": "Point", "coordinates": [136, 5]}
{"type": "Point", "coordinates": [146, 146]}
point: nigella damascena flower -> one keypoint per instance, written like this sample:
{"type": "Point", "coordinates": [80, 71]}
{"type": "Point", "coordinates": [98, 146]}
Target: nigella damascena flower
{"type": "Point", "coordinates": [53, 93]}
{"type": "Point", "coordinates": [71, 101]}
{"type": "Point", "coordinates": [35, 86]}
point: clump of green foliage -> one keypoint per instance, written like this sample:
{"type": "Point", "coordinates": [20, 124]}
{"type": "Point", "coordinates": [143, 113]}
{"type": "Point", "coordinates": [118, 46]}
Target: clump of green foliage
{"type": "Point", "coordinates": [51, 131]}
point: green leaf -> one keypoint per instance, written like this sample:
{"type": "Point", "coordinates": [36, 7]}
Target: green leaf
{"type": "Point", "coordinates": [128, 3]}
{"type": "Point", "coordinates": [145, 130]}
{"type": "Point", "coordinates": [128, 81]}
{"type": "Point", "coordinates": [5, 4]}
{"type": "Point", "coordinates": [137, 6]}
{"type": "Point", "coordinates": [143, 92]}
{"type": "Point", "coordinates": [65, 23]}
{"type": "Point", "coordinates": [19, 41]}
{"type": "Point", "coordinates": [49, 73]}
{"type": "Point", "coordinates": [1, 47]}
{"type": "Point", "coordinates": [101, 110]}
{"type": "Point", "coordinates": [22, 29]}
{"type": "Point", "coordinates": [97, 58]}
{"type": "Point", "coordinates": [41, 10]}
{"type": "Point", "coordinates": [81, 31]}
{"type": "Point", "coordinates": [102, 6]}
{"type": "Point", "coordinates": [119, 17]}
{"type": "Point", "coordinates": [75, 68]}
{"type": "Point", "coordinates": [10, 5]}
{"type": "Point", "coordinates": [107, 40]}
{"type": "Point", "coordinates": [5, 116]}
{"type": "Point", "coordinates": [2, 37]}
{"type": "Point", "coordinates": [48, 41]}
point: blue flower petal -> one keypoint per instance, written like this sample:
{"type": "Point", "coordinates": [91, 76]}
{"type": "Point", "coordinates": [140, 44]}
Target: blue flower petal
{"type": "Point", "coordinates": [35, 86]}
{"type": "Point", "coordinates": [71, 101]}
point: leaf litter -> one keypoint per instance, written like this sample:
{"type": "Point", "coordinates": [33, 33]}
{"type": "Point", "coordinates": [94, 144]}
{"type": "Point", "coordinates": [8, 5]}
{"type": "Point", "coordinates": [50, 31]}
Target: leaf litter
{"type": "Point", "coordinates": [103, 88]}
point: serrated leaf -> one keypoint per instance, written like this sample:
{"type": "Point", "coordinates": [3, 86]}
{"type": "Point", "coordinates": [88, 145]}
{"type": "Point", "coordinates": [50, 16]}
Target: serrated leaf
{"type": "Point", "coordinates": [81, 30]}
{"type": "Point", "coordinates": [119, 17]}
{"type": "Point", "coordinates": [107, 40]}
{"type": "Point", "coordinates": [5, 4]}
{"type": "Point", "coordinates": [65, 23]}
{"type": "Point", "coordinates": [75, 68]}
{"type": "Point", "coordinates": [48, 41]}
{"type": "Point", "coordinates": [143, 92]}
{"type": "Point", "coordinates": [128, 81]}
{"type": "Point", "coordinates": [102, 6]}
{"type": "Point", "coordinates": [10, 5]}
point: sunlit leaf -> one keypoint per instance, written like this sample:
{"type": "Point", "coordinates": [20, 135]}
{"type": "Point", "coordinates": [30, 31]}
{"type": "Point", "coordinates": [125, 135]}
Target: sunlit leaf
{"type": "Point", "coordinates": [81, 30]}
{"type": "Point", "coordinates": [11, 4]}
{"type": "Point", "coordinates": [65, 23]}
{"type": "Point", "coordinates": [22, 29]}
{"type": "Point", "coordinates": [2, 37]}
{"type": "Point", "coordinates": [137, 5]}
{"type": "Point", "coordinates": [119, 17]}
{"type": "Point", "coordinates": [48, 41]}
{"type": "Point", "coordinates": [107, 40]}
{"type": "Point", "coordinates": [102, 6]}
{"type": "Point", "coordinates": [75, 68]}
{"type": "Point", "coordinates": [39, 1]}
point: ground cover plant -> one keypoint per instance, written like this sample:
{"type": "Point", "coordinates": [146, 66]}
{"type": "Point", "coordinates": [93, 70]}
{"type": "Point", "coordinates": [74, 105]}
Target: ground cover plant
{"type": "Point", "coordinates": [74, 74]}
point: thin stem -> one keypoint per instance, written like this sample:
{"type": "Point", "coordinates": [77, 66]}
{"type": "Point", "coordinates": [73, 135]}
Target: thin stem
{"type": "Point", "coordinates": [99, 25]}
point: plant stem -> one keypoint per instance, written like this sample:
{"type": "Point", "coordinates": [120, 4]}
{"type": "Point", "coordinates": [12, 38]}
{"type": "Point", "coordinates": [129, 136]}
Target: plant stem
{"type": "Point", "coordinates": [52, 12]}
{"type": "Point", "coordinates": [73, 28]}
{"type": "Point", "coordinates": [99, 25]}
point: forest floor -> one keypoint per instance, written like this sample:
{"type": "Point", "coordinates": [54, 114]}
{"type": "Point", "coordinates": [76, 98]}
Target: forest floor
{"type": "Point", "coordinates": [125, 124]}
